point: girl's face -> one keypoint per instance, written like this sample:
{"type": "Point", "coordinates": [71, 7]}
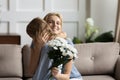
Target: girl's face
{"type": "Point", "coordinates": [55, 24]}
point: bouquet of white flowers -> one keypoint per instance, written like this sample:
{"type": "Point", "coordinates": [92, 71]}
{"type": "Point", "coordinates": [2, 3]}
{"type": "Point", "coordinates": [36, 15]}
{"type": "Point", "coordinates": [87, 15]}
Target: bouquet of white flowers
{"type": "Point", "coordinates": [61, 52]}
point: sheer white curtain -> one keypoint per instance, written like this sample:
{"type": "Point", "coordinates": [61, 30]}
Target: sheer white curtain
{"type": "Point", "coordinates": [117, 30]}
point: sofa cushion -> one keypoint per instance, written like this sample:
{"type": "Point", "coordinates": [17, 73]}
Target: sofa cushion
{"type": "Point", "coordinates": [26, 59]}
{"type": "Point", "coordinates": [98, 77]}
{"type": "Point", "coordinates": [10, 78]}
{"type": "Point", "coordinates": [97, 58]}
{"type": "Point", "coordinates": [10, 61]}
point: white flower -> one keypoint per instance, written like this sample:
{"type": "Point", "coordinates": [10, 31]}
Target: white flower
{"type": "Point", "coordinates": [75, 55]}
{"type": "Point", "coordinates": [64, 54]}
{"type": "Point", "coordinates": [90, 21]}
{"type": "Point", "coordinates": [62, 49]}
{"type": "Point", "coordinates": [55, 47]}
{"type": "Point", "coordinates": [70, 54]}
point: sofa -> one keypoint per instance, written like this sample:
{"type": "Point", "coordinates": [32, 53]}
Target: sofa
{"type": "Point", "coordinates": [96, 61]}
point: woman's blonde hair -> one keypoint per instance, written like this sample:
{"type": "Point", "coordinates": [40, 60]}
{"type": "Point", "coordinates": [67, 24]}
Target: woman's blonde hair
{"type": "Point", "coordinates": [46, 18]}
{"type": "Point", "coordinates": [35, 26]}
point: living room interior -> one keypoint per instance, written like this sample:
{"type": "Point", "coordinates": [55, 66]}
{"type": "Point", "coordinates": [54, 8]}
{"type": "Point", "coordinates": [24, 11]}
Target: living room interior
{"type": "Point", "coordinates": [15, 15]}
{"type": "Point", "coordinates": [98, 52]}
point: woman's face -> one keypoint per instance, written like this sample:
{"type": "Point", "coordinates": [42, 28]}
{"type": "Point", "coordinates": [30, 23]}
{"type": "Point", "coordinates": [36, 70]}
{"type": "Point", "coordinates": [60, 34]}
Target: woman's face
{"type": "Point", "coordinates": [55, 24]}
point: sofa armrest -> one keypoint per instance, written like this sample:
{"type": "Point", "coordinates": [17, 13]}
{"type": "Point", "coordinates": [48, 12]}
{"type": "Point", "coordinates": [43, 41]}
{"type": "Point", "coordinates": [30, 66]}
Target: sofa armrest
{"type": "Point", "coordinates": [26, 59]}
{"type": "Point", "coordinates": [117, 70]}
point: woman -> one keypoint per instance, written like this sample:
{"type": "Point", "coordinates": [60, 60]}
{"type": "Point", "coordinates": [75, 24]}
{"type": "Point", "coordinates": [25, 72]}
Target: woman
{"type": "Point", "coordinates": [54, 20]}
{"type": "Point", "coordinates": [40, 63]}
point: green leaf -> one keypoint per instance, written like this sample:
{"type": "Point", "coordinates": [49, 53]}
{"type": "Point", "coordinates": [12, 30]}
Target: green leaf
{"type": "Point", "coordinates": [76, 40]}
{"type": "Point", "coordinates": [105, 37]}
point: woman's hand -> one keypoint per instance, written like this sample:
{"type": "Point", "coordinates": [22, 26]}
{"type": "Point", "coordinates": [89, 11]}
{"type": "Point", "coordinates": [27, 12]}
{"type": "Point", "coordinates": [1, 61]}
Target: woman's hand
{"type": "Point", "coordinates": [41, 38]}
{"type": "Point", "coordinates": [55, 72]}
{"type": "Point", "coordinates": [66, 74]}
{"type": "Point", "coordinates": [58, 75]}
{"type": "Point", "coordinates": [62, 34]}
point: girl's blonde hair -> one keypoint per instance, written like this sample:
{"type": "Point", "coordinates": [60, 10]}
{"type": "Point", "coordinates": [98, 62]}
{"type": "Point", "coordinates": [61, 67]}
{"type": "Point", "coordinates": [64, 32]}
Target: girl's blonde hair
{"type": "Point", "coordinates": [46, 18]}
{"type": "Point", "coordinates": [35, 26]}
